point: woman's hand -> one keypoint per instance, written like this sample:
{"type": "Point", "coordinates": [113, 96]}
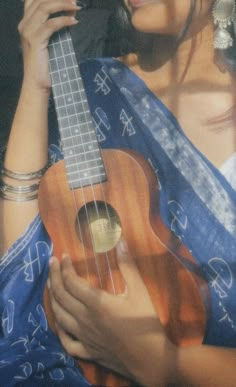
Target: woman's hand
{"type": "Point", "coordinates": [35, 30]}
{"type": "Point", "coordinates": [121, 332]}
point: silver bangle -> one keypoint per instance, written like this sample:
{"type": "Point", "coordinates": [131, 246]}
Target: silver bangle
{"type": "Point", "coordinates": [20, 193]}
{"type": "Point", "coordinates": [25, 176]}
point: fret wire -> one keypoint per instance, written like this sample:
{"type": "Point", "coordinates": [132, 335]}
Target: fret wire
{"type": "Point", "coordinates": [71, 161]}
{"type": "Point", "coordinates": [53, 43]}
{"type": "Point", "coordinates": [81, 163]}
{"type": "Point", "coordinates": [77, 105]}
{"type": "Point", "coordinates": [89, 177]}
{"type": "Point", "coordinates": [72, 170]}
{"type": "Point", "coordinates": [85, 140]}
{"type": "Point", "coordinates": [83, 137]}
{"type": "Point", "coordinates": [82, 134]}
{"type": "Point", "coordinates": [76, 132]}
{"type": "Point", "coordinates": [81, 124]}
{"type": "Point", "coordinates": [71, 104]}
{"type": "Point", "coordinates": [92, 164]}
{"type": "Point", "coordinates": [77, 114]}
{"type": "Point", "coordinates": [73, 92]}
{"type": "Point", "coordinates": [71, 126]}
{"type": "Point", "coordinates": [80, 141]}
{"type": "Point", "coordinates": [72, 123]}
{"type": "Point", "coordinates": [96, 159]}
{"type": "Point", "coordinates": [81, 154]}
{"type": "Point", "coordinates": [57, 59]}
{"type": "Point", "coordinates": [74, 119]}
{"type": "Point", "coordinates": [90, 142]}
{"type": "Point", "coordinates": [76, 147]}
{"type": "Point", "coordinates": [83, 101]}
{"type": "Point", "coordinates": [62, 56]}
{"type": "Point", "coordinates": [86, 169]}
{"type": "Point", "coordinates": [61, 106]}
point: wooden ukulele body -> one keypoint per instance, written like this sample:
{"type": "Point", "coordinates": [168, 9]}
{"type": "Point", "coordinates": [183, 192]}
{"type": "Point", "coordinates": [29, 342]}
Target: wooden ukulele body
{"type": "Point", "coordinates": [77, 223]}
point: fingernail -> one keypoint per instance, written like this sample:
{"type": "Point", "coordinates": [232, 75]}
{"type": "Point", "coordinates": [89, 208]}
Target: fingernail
{"type": "Point", "coordinates": [53, 261]}
{"type": "Point", "coordinates": [66, 257]}
{"type": "Point", "coordinates": [74, 20]}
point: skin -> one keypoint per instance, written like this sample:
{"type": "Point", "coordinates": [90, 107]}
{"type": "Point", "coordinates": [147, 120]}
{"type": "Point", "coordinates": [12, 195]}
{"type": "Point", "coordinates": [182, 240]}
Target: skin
{"type": "Point", "coordinates": [92, 316]}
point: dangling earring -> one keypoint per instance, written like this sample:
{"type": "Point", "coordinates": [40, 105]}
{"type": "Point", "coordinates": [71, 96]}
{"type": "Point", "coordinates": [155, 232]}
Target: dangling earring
{"type": "Point", "coordinates": [224, 14]}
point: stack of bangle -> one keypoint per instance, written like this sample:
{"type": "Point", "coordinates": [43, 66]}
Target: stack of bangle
{"type": "Point", "coordinates": [22, 192]}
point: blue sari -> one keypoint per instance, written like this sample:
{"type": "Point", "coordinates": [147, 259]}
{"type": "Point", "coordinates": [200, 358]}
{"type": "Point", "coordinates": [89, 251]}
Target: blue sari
{"type": "Point", "coordinates": [196, 203]}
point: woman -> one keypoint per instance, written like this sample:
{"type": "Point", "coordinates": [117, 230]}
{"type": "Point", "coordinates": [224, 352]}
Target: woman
{"type": "Point", "coordinates": [30, 353]}
{"type": "Point", "coordinates": [178, 66]}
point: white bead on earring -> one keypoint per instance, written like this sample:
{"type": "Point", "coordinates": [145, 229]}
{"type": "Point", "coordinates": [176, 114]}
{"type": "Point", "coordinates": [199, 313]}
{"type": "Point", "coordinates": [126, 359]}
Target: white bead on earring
{"type": "Point", "coordinates": [224, 15]}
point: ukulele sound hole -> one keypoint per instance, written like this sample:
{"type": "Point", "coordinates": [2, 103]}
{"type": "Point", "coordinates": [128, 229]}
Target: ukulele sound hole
{"type": "Point", "coordinates": [98, 226]}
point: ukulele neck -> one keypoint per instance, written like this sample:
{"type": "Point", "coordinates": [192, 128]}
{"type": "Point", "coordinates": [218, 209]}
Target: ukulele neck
{"type": "Point", "coordinates": [84, 164]}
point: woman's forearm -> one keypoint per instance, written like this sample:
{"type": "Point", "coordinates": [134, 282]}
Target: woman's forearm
{"type": "Point", "coordinates": [207, 366]}
{"type": "Point", "coordinates": [27, 147]}
{"type": "Point", "coordinates": [195, 366]}
{"type": "Point", "coordinates": [27, 152]}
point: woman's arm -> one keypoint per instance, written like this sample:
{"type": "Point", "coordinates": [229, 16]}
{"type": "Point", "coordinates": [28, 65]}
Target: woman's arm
{"type": "Point", "coordinates": [207, 366]}
{"type": "Point", "coordinates": [27, 149]}
{"type": "Point", "coordinates": [124, 332]}
{"type": "Point", "coordinates": [26, 153]}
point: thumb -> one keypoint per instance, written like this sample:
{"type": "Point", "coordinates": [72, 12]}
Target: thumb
{"type": "Point", "coordinates": [127, 266]}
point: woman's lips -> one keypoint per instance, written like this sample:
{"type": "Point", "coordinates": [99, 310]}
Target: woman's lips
{"type": "Point", "coordinates": [140, 3]}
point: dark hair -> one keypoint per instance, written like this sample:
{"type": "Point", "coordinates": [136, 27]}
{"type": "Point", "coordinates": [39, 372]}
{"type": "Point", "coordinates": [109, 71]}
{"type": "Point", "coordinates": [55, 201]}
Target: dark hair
{"type": "Point", "coordinates": [229, 55]}
{"type": "Point", "coordinates": [123, 38]}
{"type": "Point", "coordinates": [120, 37]}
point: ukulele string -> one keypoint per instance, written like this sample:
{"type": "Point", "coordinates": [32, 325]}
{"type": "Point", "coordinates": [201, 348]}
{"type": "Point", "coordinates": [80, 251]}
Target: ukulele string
{"type": "Point", "coordinates": [85, 106]}
{"type": "Point", "coordinates": [103, 226]}
{"type": "Point", "coordinates": [57, 40]}
{"type": "Point", "coordinates": [77, 124]}
{"type": "Point", "coordinates": [68, 39]}
{"type": "Point", "coordinates": [89, 123]}
{"type": "Point", "coordinates": [64, 38]}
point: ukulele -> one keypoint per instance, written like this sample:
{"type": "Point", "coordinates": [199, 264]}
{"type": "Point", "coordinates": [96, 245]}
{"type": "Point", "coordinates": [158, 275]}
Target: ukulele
{"type": "Point", "coordinates": [93, 197]}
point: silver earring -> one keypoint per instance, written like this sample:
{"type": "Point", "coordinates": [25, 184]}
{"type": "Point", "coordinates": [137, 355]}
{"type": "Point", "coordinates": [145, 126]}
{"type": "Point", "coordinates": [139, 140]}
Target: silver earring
{"type": "Point", "coordinates": [224, 15]}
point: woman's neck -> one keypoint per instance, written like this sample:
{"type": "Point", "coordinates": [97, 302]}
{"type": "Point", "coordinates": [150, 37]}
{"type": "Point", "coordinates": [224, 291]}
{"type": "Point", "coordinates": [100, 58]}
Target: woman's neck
{"type": "Point", "coordinates": [196, 90]}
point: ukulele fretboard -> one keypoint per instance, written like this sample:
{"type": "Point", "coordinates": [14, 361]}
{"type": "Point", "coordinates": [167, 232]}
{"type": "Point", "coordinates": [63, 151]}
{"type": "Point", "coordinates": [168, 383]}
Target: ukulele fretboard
{"type": "Point", "coordinates": [84, 164]}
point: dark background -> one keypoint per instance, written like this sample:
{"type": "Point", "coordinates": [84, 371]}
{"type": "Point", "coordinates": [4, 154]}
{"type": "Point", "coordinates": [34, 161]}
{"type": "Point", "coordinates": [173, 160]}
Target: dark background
{"type": "Point", "coordinates": [90, 38]}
